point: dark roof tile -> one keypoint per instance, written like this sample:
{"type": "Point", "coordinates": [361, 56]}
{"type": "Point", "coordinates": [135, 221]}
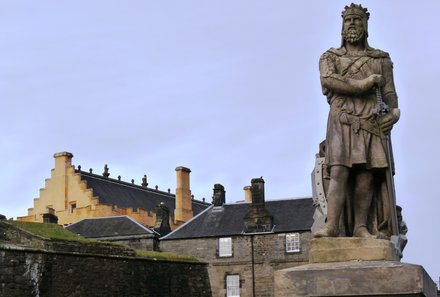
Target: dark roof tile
{"type": "Point", "coordinates": [126, 195]}
{"type": "Point", "coordinates": [109, 227]}
{"type": "Point", "coordinates": [289, 216]}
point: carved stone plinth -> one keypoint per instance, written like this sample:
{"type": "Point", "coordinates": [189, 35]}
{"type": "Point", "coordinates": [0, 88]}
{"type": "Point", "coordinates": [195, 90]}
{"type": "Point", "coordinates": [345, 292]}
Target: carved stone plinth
{"type": "Point", "coordinates": [343, 249]}
{"type": "Point", "coordinates": [353, 267]}
{"type": "Point", "coordinates": [370, 278]}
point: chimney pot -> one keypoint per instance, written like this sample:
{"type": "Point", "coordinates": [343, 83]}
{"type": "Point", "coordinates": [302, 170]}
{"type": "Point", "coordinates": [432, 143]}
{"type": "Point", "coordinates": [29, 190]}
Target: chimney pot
{"type": "Point", "coordinates": [247, 194]}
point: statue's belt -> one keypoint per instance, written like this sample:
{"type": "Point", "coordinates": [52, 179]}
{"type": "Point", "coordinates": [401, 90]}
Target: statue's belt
{"type": "Point", "coordinates": [357, 122]}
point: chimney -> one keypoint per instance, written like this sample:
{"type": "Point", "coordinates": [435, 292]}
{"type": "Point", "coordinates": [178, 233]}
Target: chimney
{"type": "Point", "coordinates": [63, 161]}
{"type": "Point", "coordinates": [219, 195]}
{"type": "Point", "coordinates": [257, 191]}
{"type": "Point", "coordinates": [258, 219]}
{"type": "Point", "coordinates": [247, 194]}
{"type": "Point", "coordinates": [183, 211]}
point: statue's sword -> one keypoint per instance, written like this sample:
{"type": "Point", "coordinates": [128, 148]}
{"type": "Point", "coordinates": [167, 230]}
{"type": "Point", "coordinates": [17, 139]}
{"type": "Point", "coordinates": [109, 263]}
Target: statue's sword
{"type": "Point", "coordinates": [381, 110]}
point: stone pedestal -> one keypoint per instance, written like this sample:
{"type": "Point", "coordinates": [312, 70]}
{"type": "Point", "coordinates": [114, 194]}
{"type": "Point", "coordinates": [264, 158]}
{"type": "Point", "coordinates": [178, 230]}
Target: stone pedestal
{"type": "Point", "coordinates": [343, 249]}
{"type": "Point", "coordinates": [353, 267]}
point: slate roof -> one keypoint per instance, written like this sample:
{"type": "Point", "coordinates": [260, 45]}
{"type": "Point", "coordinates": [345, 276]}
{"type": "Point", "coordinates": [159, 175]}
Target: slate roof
{"type": "Point", "coordinates": [126, 195]}
{"type": "Point", "coordinates": [292, 215]}
{"type": "Point", "coordinates": [109, 227]}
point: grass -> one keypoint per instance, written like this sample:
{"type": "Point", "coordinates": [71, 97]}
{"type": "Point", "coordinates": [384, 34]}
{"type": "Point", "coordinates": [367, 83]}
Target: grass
{"type": "Point", "coordinates": [164, 256]}
{"type": "Point", "coordinates": [56, 232]}
{"type": "Point", "coordinates": [50, 231]}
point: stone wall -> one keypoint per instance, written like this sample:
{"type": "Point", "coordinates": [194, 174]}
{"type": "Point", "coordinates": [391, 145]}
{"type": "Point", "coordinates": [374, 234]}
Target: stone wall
{"type": "Point", "coordinates": [36, 272]}
{"type": "Point", "coordinates": [269, 256]}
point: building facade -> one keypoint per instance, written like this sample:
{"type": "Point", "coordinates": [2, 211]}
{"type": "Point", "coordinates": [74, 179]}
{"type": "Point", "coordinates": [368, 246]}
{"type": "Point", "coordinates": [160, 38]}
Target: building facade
{"type": "Point", "coordinates": [72, 195]}
{"type": "Point", "coordinates": [244, 243]}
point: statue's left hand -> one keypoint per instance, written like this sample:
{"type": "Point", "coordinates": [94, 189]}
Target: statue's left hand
{"type": "Point", "coordinates": [387, 121]}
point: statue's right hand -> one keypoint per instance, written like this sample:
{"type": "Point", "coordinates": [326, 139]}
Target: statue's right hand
{"type": "Point", "coordinates": [366, 84]}
{"type": "Point", "coordinates": [376, 80]}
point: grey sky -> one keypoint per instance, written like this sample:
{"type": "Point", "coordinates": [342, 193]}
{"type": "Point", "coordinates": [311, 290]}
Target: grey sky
{"type": "Point", "coordinates": [229, 89]}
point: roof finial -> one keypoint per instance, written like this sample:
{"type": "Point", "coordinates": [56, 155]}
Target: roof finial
{"type": "Point", "coordinates": [132, 181]}
{"type": "Point", "coordinates": [119, 178]}
{"type": "Point", "coordinates": [106, 174]}
{"type": "Point", "coordinates": [79, 167]}
{"type": "Point", "coordinates": [157, 187]}
{"type": "Point", "coordinates": [144, 181]}
{"type": "Point", "coordinates": [91, 170]}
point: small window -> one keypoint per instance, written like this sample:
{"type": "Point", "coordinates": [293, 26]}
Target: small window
{"type": "Point", "coordinates": [72, 207]}
{"type": "Point", "coordinates": [225, 247]}
{"type": "Point", "coordinates": [233, 286]}
{"type": "Point", "coordinates": [293, 243]}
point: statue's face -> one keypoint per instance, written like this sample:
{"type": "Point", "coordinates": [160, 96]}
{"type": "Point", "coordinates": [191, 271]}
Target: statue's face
{"type": "Point", "coordinates": [353, 28]}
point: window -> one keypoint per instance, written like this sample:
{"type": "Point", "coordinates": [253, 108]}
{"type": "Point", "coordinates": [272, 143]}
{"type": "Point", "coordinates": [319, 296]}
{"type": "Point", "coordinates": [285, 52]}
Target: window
{"type": "Point", "coordinates": [72, 206]}
{"type": "Point", "coordinates": [233, 286]}
{"type": "Point", "coordinates": [225, 247]}
{"type": "Point", "coordinates": [293, 243]}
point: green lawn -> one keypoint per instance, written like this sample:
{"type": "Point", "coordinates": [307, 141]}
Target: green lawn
{"type": "Point", "coordinates": [164, 256]}
{"type": "Point", "coordinates": [56, 232]}
{"type": "Point", "coordinates": [50, 231]}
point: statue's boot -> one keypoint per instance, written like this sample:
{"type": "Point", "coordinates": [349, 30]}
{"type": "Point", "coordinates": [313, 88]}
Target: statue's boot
{"type": "Point", "coordinates": [327, 231]}
{"type": "Point", "coordinates": [362, 232]}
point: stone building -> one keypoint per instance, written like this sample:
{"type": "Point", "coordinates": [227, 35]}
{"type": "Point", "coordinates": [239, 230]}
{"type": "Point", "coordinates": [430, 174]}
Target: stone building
{"type": "Point", "coordinates": [72, 194]}
{"type": "Point", "coordinates": [244, 243]}
{"type": "Point", "coordinates": [120, 229]}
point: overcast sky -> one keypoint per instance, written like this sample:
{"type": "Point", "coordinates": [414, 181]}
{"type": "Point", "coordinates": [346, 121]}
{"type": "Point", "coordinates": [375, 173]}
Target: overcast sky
{"type": "Point", "coordinates": [227, 88]}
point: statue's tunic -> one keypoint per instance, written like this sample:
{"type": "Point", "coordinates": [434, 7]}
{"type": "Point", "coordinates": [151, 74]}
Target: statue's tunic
{"type": "Point", "coordinates": [353, 134]}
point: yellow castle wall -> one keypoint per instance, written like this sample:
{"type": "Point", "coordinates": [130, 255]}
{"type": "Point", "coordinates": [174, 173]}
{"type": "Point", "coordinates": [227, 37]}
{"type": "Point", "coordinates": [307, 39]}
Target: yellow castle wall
{"type": "Point", "coordinates": [65, 188]}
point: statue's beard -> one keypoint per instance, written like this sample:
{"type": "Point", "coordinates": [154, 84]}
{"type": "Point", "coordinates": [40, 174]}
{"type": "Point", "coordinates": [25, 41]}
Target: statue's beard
{"type": "Point", "coordinates": [353, 35]}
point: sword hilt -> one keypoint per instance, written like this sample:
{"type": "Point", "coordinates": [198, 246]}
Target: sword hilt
{"type": "Point", "coordinates": [381, 107]}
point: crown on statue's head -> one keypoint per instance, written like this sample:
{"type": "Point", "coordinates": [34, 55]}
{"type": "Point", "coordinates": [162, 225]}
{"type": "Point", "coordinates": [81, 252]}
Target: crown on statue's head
{"type": "Point", "coordinates": [356, 9]}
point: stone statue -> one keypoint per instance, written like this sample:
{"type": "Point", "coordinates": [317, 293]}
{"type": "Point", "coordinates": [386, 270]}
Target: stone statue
{"type": "Point", "coordinates": [162, 224]}
{"type": "Point", "coordinates": [358, 83]}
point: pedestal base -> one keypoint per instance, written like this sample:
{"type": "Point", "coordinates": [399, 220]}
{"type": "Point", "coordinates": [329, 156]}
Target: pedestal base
{"type": "Point", "coordinates": [369, 278]}
{"type": "Point", "coordinates": [343, 249]}
{"type": "Point", "coordinates": [353, 267]}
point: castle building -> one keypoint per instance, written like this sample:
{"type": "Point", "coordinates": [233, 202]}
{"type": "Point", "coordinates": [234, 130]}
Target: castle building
{"type": "Point", "coordinates": [71, 195]}
{"type": "Point", "coordinates": [245, 243]}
